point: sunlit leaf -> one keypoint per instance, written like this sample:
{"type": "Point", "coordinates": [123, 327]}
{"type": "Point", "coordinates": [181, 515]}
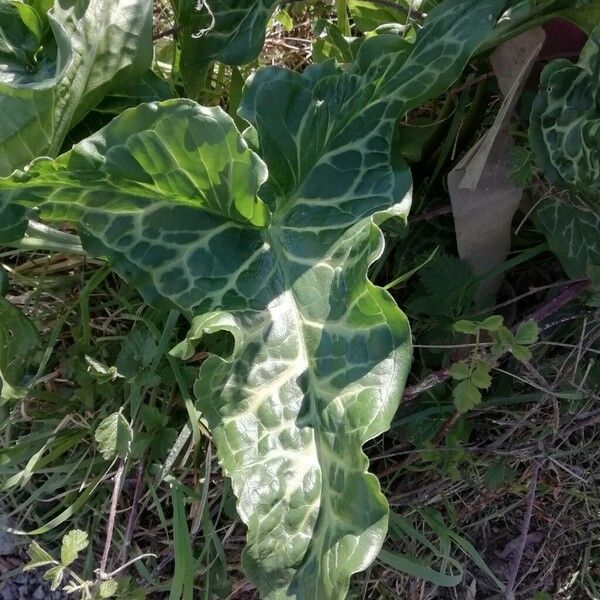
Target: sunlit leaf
{"type": "Point", "coordinates": [114, 436]}
{"type": "Point", "coordinates": [275, 251]}
{"type": "Point", "coordinates": [72, 544]}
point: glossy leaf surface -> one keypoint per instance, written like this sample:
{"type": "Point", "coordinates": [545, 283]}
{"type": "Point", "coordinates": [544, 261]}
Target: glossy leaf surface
{"type": "Point", "coordinates": [61, 68]}
{"type": "Point", "coordinates": [275, 252]}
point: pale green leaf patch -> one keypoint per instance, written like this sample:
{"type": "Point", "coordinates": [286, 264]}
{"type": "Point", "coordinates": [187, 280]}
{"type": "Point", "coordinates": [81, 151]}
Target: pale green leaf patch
{"type": "Point", "coordinates": [114, 436]}
{"type": "Point", "coordinates": [460, 371]}
{"type": "Point", "coordinates": [72, 544]}
{"type": "Point", "coordinates": [108, 588]}
{"type": "Point", "coordinates": [480, 375]}
{"type": "Point", "coordinates": [38, 557]}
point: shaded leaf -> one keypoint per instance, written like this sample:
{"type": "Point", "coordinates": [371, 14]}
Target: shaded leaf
{"type": "Point", "coordinates": [521, 353]}
{"type": "Point", "coordinates": [492, 323]}
{"type": "Point", "coordinates": [18, 341]}
{"type": "Point", "coordinates": [448, 287]}
{"type": "Point", "coordinates": [521, 166]}
{"type": "Point", "coordinates": [571, 229]}
{"type": "Point", "coordinates": [229, 31]}
{"type": "Point", "coordinates": [466, 396]}
{"type": "Point", "coordinates": [460, 371]}
{"type": "Point", "coordinates": [527, 333]}
{"type": "Point", "coordinates": [466, 327]}
{"type": "Point", "coordinates": [564, 130]}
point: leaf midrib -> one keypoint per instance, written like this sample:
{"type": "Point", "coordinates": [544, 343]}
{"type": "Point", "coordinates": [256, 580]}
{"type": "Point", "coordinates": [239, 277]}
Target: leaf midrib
{"type": "Point", "coordinates": [281, 261]}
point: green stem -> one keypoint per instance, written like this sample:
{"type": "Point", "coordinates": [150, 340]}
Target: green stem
{"type": "Point", "coordinates": [342, 17]}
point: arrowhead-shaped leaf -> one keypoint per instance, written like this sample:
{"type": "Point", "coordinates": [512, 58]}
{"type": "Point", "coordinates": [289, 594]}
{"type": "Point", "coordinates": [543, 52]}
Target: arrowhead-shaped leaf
{"type": "Point", "coordinates": [565, 121]}
{"type": "Point", "coordinates": [169, 192]}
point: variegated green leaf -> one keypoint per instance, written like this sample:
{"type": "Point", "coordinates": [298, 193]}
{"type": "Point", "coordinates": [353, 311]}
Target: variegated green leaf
{"type": "Point", "coordinates": [170, 193]}
{"type": "Point", "coordinates": [573, 232]}
{"type": "Point", "coordinates": [229, 31]}
{"type": "Point", "coordinates": [47, 84]}
{"type": "Point", "coordinates": [565, 121]}
{"type": "Point", "coordinates": [58, 73]}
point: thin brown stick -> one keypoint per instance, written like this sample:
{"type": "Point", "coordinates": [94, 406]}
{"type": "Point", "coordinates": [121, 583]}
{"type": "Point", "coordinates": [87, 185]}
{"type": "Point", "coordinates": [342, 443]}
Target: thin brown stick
{"type": "Point", "coordinates": [566, 296]}
{"type": "Point", "coordinates": [431, 214]}
{"type": "Point", "coordinates": [514, 569]}
{"type": "Point", "coordinates": [543, 312]}
{"type": "Point", "coordinates": [433, 379]}
{"type": "Point", "coordinates": [111, 518]}
{"type": "Point", "coordinates": [166, 33]}
{"type": "Point", "coordinates": [477, 80]}
{"type": "Point", "coordinates": [133, 513]}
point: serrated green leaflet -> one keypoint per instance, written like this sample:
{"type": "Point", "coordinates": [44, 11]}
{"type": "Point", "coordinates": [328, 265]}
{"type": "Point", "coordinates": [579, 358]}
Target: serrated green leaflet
{"type": "Point", "coordinates": [565, 121]}
{"type": "Point", "coordinates": [114, 436]}
{"type": "Point", "coordinates": [63, 67]}
{"type": "Point", "coordinates": [276, 253]}
{"type": "Point", "coordinates": [72, 544]}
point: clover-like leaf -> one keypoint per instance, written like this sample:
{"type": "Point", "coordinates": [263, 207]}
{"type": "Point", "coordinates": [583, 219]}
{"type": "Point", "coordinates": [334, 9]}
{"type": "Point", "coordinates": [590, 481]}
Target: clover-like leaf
{"type": "Point", "coordinates": [276, 254]}
{"type": "Point", "coordinates": [38, 557]}
{"type": "Point", "coordinates": [521, 353]}
{"type": "Point", "coordinates": [492, 323]}
{"type": "Point", "coordinates": [460, 371]}
{"type": "Point", "coordinates": [565, 121]}
{"type": "Point", "coordinates": [55, 576]}
{"type": "Point", "coordinates": [108, 588]}
{"type": "Point", "coordinates": [466, 327]}
{"type": "Point", "coordinates": [480, 375]}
